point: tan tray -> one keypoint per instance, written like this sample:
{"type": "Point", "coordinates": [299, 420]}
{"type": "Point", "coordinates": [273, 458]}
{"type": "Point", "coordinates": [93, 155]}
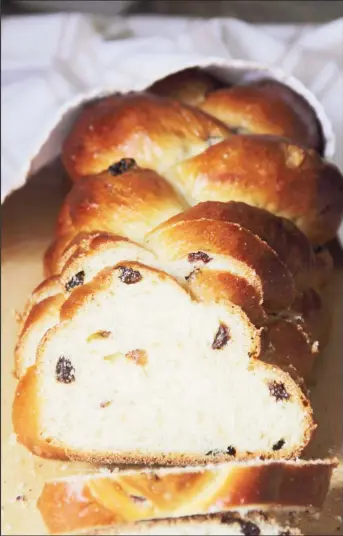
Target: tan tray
{"type": "Point", "coordinates": [28, 217]}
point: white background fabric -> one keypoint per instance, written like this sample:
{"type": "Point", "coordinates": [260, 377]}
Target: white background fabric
{"type": "Point", "coordinates": [50, 60]}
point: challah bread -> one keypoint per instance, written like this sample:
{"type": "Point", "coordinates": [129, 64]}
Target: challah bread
{"type": "Point", "coordinates": [156, 132]}
{"type": "Point", "coordinates": [129, 204]}
{"type": "Point", "coordinates": [200, 157]}
{"type": "Point", "coordinates": [271, 173]}
{"type": "Point", "coordinates": [263, 106]}
{"type": "Point", "coordinates": [280, 234]}
{"type": "Point", "coordinates": [224, 246]}
{"type": "Point", "coordinates": [189, 86]}
{"type": "Point", "coordinates": [231, 524]}
{"type": "Point", "coordinates": [43, 316]}
{"type": "Point", "coordinates": [88, 254]}
{"type": "Point", "coordinates": [90, 501]}
{"type": "Point", "coordinates": [134, 329]}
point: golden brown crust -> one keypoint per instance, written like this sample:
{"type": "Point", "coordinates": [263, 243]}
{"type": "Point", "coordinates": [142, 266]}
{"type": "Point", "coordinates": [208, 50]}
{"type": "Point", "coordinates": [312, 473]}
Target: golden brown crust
{"type": "Point", "coordinates": [280, 234]}
{"type": "Point", "coordinates": [155, 131]}
{"type": "Point", "coordinates": [47, 288]}
{"type": "Point", "coordinates": [267, 107]}
{"type": "Point", "coordinates": [90, 253]}
{"type": "Point", "coordinates": [42, 316]}
{"type": "Point", "coordinates": [255, 259]}
{"type": "Point", "coordinates": [129, 204]}
{"type": "Point", "coordinates": [125, 497]}
{"type": "Point", "coordinates": [54, 257]}
{"type": "Point", "coordinates": [189, 86]}
{"type": "Point", "coordinates": [272, 173]}
{"type": "Point", "coordinates": [25, 418]}
{"type": "Point", "coordinates": [217, 286]}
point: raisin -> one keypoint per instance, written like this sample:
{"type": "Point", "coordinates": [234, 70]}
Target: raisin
{"type": "Point", "coordinates": [199, 256]}
{"type": "Point", "coordinates": [75, 281]}
{"type": "Point", "coordinates": [230, 450]}
{"type": "Point", "coordinates": [222, 337]}
{"type": "Point", "coordinates": [129, 276]}
{"type": "Point", "coordinates": [20, 498]}
{"type": "Point", "coordinates": [65, 372]}
{"type": "Point", "coordinates": [279, 444]}
{"type": "Point", "coordinates": [140, 357]}
{"type": "Point", "coordinates": [120, 167]}
{"type": "Point", "coordinates": [278, 391]}
{"type": "Point", "coordinates": [249, 529]}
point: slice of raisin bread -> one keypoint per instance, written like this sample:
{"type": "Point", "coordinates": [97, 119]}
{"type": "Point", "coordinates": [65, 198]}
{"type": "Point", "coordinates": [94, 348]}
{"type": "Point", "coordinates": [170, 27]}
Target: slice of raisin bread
{"type": "Point", "coordinates": [232, 524]}
{"type": "Point", "coordinates": [147, 367]}
{"type": "Point", "coordinates": [280, 234]}
{"type": "Point", "coordinates": [93, 500]}
{"type": "Point", "coordinates": [84, 257]}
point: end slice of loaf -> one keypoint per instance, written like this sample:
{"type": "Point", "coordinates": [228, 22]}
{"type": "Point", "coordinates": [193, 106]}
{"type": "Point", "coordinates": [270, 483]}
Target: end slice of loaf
{"type": "Point", "coordinates": [137, 371]}
{"type": "Point", "coordinates": [88, 501]}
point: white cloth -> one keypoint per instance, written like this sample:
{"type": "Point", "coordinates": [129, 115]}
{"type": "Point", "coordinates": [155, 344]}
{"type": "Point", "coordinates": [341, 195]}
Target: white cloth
{"type": "Point", "coordinates": [52, 61]}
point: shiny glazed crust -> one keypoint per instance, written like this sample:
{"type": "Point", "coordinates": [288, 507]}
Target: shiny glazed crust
{"type": "Point", "coordinates": [264, 106]}
{"type": "Point", "coordinates": [155, 131]}
{"type": "Point", "coordinates": [186, 146]}
{"type": "Point", "coordinates": [271, 173]}
{"type": "Point", "coordinates": [74, 503]}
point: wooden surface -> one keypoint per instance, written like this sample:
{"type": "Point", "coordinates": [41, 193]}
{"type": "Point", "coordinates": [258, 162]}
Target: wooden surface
{"type": "Point", "coordinates": [28, 218]}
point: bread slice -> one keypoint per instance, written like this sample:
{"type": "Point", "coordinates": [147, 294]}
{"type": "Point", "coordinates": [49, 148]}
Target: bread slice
{"type": "Point", "coordinates": [232, 524]}
{"type": "Point", "coordinates": [89, 501]}
{"type": "Point", "coordinates": [280, 234]}
{"type": "Point", "coordinates": [188, 245]}
{"type": "Point", "coordinates": [132, 353]}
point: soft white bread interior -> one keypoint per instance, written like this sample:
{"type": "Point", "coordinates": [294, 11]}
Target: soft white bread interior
{"type": "Point", "coordinates": [121, 359]}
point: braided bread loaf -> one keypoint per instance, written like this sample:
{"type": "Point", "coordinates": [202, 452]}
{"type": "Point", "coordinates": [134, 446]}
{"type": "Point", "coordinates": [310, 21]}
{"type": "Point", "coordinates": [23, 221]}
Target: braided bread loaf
{"type": "Point", "coordinates": [131, 496]}
{"type": "Point", "coordinates": [168, 281]}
